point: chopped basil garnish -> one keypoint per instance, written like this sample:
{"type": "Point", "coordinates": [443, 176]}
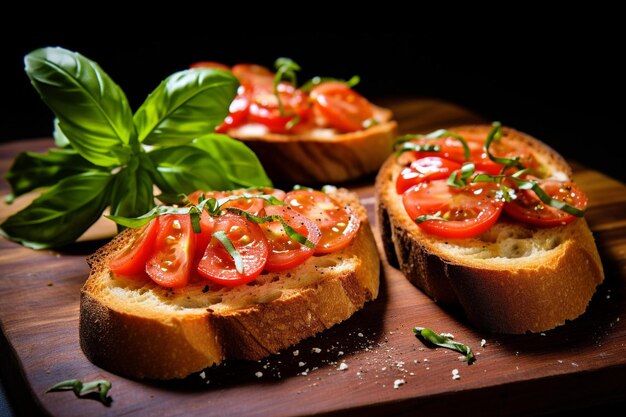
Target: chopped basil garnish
{"type": "Point", "coordinates": [315, 81]}
{"type": "Point", "coordinates": [466, 171]}
{"type": "Point", "coordinates": [429, 217]}
{"type": "Point", "coordinates": [430, 338]}
{"type": "Point", "coordinates": [101, 386]}
{"type": "Point", "coordinates": [230, 248]}
{"type": "Point", "coordinates": [289, 231]}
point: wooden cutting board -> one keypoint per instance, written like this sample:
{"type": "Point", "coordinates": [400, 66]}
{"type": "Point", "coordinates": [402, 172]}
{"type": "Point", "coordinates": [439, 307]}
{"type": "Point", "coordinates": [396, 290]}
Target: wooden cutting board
{"type": "Point", "coordinates": [579, 364]}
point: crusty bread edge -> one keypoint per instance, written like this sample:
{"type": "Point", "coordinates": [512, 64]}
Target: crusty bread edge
{"type": "Point", "coordinates": [530, 299]}
{"type": "Point", "coordinates": [152, 346]}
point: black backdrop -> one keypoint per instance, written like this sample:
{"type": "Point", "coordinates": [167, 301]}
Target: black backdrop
{"type": "Point", "coordinates": [561, 84]}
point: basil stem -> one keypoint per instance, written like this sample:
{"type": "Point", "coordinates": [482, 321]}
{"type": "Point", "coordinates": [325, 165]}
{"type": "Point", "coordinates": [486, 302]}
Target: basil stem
{"type": "Point", "coordinates": [429, 337]}
{"type": "Point", "coordinates": [289, 231]}
{"type": "Point", "coordinates": [101, 386]}
{"type": "Point", "coordinates": [228, 245]}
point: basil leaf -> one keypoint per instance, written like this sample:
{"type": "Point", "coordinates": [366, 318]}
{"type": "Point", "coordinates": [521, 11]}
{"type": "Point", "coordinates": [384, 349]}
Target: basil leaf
{"type": "Point", "coordinates": [31, 170]}
{"type": "Point", "coordinates": [187, 169]}
{"type": "Point", "coordinates": [61, 214]}
{"type": "Point", "coordinates": [131, 192]}
{"type": "Point", "coordinates": [429, 337]}
{"type": "Point", "coordinates": [101, 386]}
{"type": "Point", "coordinates": [92, 111]}
{"type": "Point", "coordinates": [228, 245]}
{"type": "Point", "coordinates": [60, 139]}
{"type": "Point", "coordinates": [315, 81]}
{"type": "Point", "coordinates": [236, 161]}
{"type": "Point", "coordinates": [184, 106]}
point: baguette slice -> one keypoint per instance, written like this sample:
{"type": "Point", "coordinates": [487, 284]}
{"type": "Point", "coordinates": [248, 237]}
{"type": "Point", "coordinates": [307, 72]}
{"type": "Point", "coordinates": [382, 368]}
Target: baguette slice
{"type": "Point", "coordinates": [321, 156]}
{"type": "Point", "coordinates": [512, 279]}
{"type": "Point", "coordinates": [138, 329]}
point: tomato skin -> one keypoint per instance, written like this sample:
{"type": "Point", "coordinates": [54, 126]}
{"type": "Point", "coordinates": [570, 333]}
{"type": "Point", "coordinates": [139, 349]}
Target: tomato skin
{"type": "Point", "coordinates": [210, 64]}
{"type": "Point", "coordinates": [171, 262]}
{"type": "Point", "coordinates": [338, 224]}
{"type": "Point", "coordinates": [342, 107]}
{"type": "Point", "coordinates": [528, 208]}
{"type": "Point", "coordinates": [285, 254]}
{"type": "Point", "coordinates": [218, 266]}
{"type": "Point", "coordinates": [428, 168]}
{"type": "Point", "coordinates": [132, 262]}
{"type": "Point", "coordinates": [472, 210]}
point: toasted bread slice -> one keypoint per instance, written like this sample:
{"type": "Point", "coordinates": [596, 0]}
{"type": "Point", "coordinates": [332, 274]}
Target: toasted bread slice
{"type": "Point", "coordinates": [139, 329]}
{"type": "Point", "coordinates": [321, 156]}
{"type": "Point", "coordinates": [512, 279]}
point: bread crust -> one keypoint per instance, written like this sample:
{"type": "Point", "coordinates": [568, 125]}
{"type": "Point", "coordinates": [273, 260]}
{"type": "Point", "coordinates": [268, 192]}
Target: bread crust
{"type": "Point", "coordinates": [162, 339]}
{"type": "Point", "coordinates": [313, 158]}
{"type": "Point", "coordinates": [535, 292]}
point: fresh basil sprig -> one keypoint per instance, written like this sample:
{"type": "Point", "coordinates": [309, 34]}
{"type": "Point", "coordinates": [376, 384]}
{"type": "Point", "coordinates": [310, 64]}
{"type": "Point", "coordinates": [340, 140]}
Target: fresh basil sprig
{"type": "Point", "coordinates": [111, 157]}
{"type": "Point", "coordinates": [431, 338]}
{"type": "Point", "coordinates": [101, 386]}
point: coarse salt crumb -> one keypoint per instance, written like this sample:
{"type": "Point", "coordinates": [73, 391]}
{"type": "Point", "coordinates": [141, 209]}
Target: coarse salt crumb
{"type": "Point", "coordinates": [258, 374]}
{"type": "Point", "coordinates": [448, 335]}
{"type": "Point", "coordinates": [296, 352]}
{"type": "Point", "coordinates": [483, 343]}
{"type": "Point", "coordinates": [343, 366]}
{"type": "Point", "coordinates": [316, 350]}
{"type": "Point", "coordinates": [398, 382]}
{"type": "Point", "coordinates": [301, 364]}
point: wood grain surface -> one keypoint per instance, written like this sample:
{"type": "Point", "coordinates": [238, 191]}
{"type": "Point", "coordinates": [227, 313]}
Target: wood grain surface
{"type": "Point", "coordinates": [576, 365]}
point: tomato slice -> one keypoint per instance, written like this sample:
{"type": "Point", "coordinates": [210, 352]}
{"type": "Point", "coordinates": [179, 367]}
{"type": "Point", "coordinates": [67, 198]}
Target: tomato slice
{"type": "Point", "coordinates": [132, 261]}
{"type": "Point", "coordinates": [210, 64]}
{"type": "Point", "coordinates": [264, 107]}
{"type": "Point", "coordinates": [338, 224]}
{"type": "Point", "coordinates": [248, 239]}
{"type": "Point", "coordinates": [428, 168]}
{"type": "Point", "coordinates": [528, 208]}
{"type": "Point", "coordinates": [284, 252]}
{"type": "Point", "coordinates": [252, 75]}
{"type": "Point", "coordinates": [342, 107]}
{"type": "Point", "coordinates": [171, 262]}
{"type": "Point", "coordinates": [470, 210]}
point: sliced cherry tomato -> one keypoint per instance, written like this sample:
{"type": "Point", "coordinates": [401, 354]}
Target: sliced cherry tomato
{"type": "Point", "coordinates": [248, 239]}
{"type": "Point", "coordinates": [264, 107]}
{"type": "Point", "coordinates": [252, 75]}
{"type": "Point", "coordinates": [342, 107]}
{"type": "Point", "coordinates": [428, 168]}
{"type": "Point", "coordinates": [284, 252]}
{"type": "Point", "coordinates": [338, 224]}
{"type": "Point", "coordinates": [171, 262]}
{"type": "Point", "coordinates": [528, 208]}
{"type": "Point", "coordinates": [210, 64]}
{"type": "Point", "coordinates": [132, 261]}
{"type": "Point", "coordinates": [470, 210]}
{"type": "Point", "coordinates": [237, 111]}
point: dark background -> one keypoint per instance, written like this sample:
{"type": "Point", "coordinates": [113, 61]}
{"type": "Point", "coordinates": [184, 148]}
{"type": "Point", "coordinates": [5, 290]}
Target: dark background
{"type": "Point", "coordinates": [555, 79]}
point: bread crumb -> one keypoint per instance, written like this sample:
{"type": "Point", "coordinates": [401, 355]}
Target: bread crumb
{"type": "Point", "coordinates": [258, 374]}
{"type": "Point", "coordinates": [296, 352]}
{"type": "Point", "coordinates": [342, 366]}
{"type": "Point", "coordinates": [398, 382]}
{"type": "Point", "coordinates": [483, 343]}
